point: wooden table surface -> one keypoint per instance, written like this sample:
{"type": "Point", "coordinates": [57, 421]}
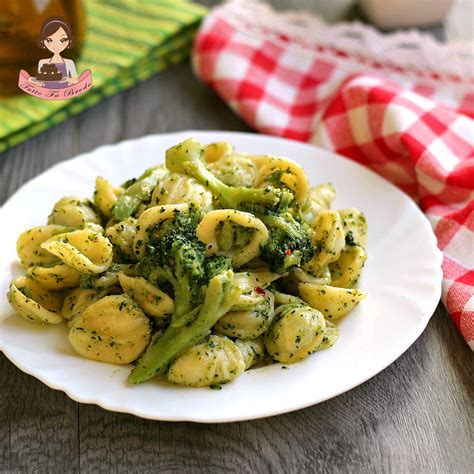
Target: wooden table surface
{"type": "Point", "coordinates": [415, 416]}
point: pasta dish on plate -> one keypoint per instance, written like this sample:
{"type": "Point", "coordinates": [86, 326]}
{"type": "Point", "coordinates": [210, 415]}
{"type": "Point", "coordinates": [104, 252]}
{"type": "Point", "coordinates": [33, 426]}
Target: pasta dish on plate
{"type": "Point", "coordinates": [200, 269]}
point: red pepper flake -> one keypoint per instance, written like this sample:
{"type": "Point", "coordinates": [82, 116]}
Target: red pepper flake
{"type": "Point", "coordinates": [288, 252]}
{"type": "Point", "coordinates": [151, 298]}
{"type": "Point", "coordinates": [260, 291]}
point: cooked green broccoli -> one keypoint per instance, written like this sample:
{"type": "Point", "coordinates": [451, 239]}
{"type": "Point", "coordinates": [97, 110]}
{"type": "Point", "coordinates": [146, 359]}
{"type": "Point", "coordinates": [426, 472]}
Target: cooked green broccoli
{"type": "Point", "coordinates": [216, 265]}
{"type": "Point", "coordinates": [139, 191]}
{"type": "Point", "coordinates": [350, 239]}
{"type": "Point", "coordinates": [289, 243]}
{"type": "Point", "coordinates": [175, 255]}
{"type": "Point", "coordinates": [186, 158]}
{"type": "Point", "coordinates": [221, 294]}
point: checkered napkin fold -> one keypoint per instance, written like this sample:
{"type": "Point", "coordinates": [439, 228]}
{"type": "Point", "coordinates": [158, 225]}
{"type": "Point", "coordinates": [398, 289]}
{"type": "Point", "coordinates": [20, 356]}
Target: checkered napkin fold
{"type": "Point", "coordinates": [400, 104]}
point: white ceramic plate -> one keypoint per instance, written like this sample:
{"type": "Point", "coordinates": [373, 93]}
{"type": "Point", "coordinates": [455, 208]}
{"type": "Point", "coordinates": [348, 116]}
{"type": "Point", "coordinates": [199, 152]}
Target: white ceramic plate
{"type": "Point", "coordinates": [402, 278]}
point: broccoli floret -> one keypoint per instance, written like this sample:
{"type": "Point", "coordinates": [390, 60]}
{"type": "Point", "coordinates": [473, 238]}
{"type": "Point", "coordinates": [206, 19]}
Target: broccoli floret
{"type": "Point", "coordinates": [87, 281]}
{"type": "Point", "coordinates": [186, 158]}
{"type": "Point", "coordinates": [289, 243]}
{"type": "Point", "coordinates": [221, 294]}
{"type": "Point", "coordinates": [350, 239]}
{"type": "Point", "coordinates": [185, 272]}
{"type": "Point", "coordinates": [216, 265]}
{"type": "Point", "coordinates": [175, 255]}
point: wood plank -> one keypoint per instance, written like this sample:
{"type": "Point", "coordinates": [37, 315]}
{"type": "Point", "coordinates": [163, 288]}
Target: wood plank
{"type": "Point", "coordinates": [38, 425]}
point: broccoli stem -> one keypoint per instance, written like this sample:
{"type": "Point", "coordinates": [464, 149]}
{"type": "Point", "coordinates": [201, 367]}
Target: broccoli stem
{"type": "Point", "coordinates": [137, 193]}
{"type": "Point", "coordinates": [221, 295]}
{"type": "Point", "coordinates": [185, 273]}
{"type": "Point", "coordinates": [183, 298]}
{"type": "Point", "coordinates": [231, 197]}
{"type": "Point", "coordinates": [185, 158]}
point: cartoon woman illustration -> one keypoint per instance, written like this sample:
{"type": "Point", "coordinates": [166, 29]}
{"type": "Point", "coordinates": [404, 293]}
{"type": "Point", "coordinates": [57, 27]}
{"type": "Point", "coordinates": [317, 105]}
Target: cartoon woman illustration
{"type": "Point", "coordinates": [55, 72]}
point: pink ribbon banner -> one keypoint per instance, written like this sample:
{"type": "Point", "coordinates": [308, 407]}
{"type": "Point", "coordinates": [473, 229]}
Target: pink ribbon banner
{"type": "Point", "coordinates": [74, 90]}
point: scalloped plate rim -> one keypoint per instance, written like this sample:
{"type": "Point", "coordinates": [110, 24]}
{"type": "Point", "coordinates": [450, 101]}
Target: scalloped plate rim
{"type": "Point", "coordinates": [416, 330]}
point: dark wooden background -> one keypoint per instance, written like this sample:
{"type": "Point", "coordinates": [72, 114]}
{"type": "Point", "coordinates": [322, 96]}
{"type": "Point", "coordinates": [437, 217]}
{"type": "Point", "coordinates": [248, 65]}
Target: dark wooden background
{"type": "Point", "coordinates": [415, 416]}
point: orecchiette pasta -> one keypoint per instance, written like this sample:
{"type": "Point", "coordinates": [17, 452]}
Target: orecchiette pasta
{"type": "Point", "coordinates": [151, 218]}
{"type": "Point", "coordinates": [214, 263]}
{"type": "Point", "coordinates": [28, 245]}
{"type": "Point", "coordinates": [113, 329]}
{"type": "Point", "coordinates": [97, 228]}
{"type": "Point", "coordinates": [323, 277]}
{"type": "Point", "coordinates": [248, 323]}
{"type": "Point", "coordinates": [258, 160]}
{"type": "Point", "coordinates": [235, 170]}
{"type": "Point", "coordinates": [215, 361]}
{"type": "Point", "coordinates": [283, 298]}
{"type": "Point", "coordinates": [249, 281]}
{"type": "Point", "coordinates": [121, 235]}
{"type": "Point", "coordinates": [233, 233]}
{"type": "Point", "coordinates": [328, 238]}
{"type": "Point", "coordinates": [320, 197]}
{"type": "Point", "coordinates": [296, 332]}
{"type": "Point", "coordinates": [57, 277]}
{"type": "Point", "coordinates": [105, 196]}
{"type": "Point", "coordinates": [109, 278]}
{"type": "Point", "coordinates": [35, 303]}
{"type": "Point", "coordinates": [84, 250]}
{"type": "Point", "coordinates": [73, 211]}
{"type": "Point", "coordinates": [355, 226]}
{"type": "Point", "coordinates": [150, 298]}
{"type": "Point", "coordinates": [176, 189]}
{"type": "Point", "coordinates": [330, 336]}
{"type": "Point", "coordinates": [78, 299]}
{"type": "Point", "coordinates": [283, 172]}
{"type": "Point", "coordinates": [333, 302]}
{"type": "Point", "coordinates": [216, 151]}
{"type": "Point", "coordinates": [253, 351]}
{"type": "Point", "coordinates": [347, 268]}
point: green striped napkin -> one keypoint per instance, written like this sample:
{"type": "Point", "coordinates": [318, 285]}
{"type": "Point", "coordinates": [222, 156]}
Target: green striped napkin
{"type": "Point", "coordinates": [127, 41]}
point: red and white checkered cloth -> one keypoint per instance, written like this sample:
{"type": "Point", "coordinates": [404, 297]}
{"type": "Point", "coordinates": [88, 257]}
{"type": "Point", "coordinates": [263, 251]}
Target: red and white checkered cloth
{"type": "Point", "coordinates": [401, 105]}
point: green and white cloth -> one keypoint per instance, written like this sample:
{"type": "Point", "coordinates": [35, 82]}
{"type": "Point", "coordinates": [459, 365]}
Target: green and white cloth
{"type": "Point", "coordinates": [127, 41]}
